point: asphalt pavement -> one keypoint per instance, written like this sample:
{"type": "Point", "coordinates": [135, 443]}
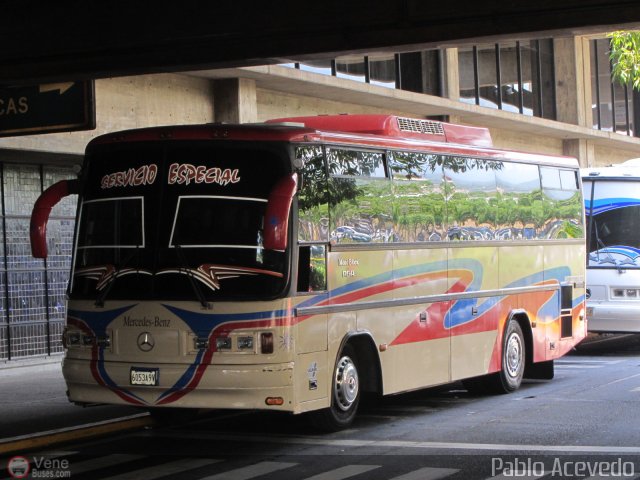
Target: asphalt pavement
{"type": "Point", "coordinates": [33, 400]}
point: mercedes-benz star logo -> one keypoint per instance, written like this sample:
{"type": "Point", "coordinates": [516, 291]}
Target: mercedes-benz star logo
{"type": "Point", "coordinates": [146, 342]}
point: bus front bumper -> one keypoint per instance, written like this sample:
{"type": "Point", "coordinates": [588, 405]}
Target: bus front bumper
{"type": "Point", "coordinates": [267, 386]}
{"type": "Point", "coordinates": [613, 318]}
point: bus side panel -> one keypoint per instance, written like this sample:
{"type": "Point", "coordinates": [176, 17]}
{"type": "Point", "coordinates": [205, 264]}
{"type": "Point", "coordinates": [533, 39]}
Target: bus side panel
{"type": "Point", "coordinates": [521, 266]}
{"type": "Point", "coordinates": [565, 265]}
{"type": "Point", "coordinates": [420, 347]}
{"type": "Point", "coordinates": [473, 322]}
{"type": "Point", "coordinates": [311, 374]}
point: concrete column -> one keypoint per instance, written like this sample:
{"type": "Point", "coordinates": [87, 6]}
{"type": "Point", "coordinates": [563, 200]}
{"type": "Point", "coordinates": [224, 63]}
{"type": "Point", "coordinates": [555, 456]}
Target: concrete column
{"type": "Point", "coordinates": [581, 149]}
{"type": "Point", "coordinates": [235, 100]}
{"type": "Point", "coordinates": [573, 93]}
{"type": "Point", "coordinates": [451, 74]}
{"type": "Point", "coordinates": [573, 81]}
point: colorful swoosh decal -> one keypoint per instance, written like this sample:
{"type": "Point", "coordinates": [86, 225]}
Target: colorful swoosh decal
{"type": "Point", "coordinates": [450, 318]}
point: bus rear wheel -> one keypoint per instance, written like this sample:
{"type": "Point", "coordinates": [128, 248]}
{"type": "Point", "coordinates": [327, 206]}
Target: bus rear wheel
{"type": "Point", "coordinates": [345, 394]}
{"type": "Point", "coordinates": [509, 378]}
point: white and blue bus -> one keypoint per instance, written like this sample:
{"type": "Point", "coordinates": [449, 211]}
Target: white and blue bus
{"type": "Point", "coordinates": [612, 201]}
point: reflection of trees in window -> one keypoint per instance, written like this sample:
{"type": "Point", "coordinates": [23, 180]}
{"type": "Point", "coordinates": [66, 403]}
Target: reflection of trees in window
{"type": "Point", "coordinates": [365, 217]}
{"type": "Point", "coordinates": [355, 163]}
{"type": "Point", "coordinates": [418, 200]}
{"type": "Point", "coordinates": [313, 197]}
{"type": "Point", "coordinates": [564, 214]}
{"type": "Point", "coordinates": [359, 191]}
{"type": "Point", "coordinates": [562, 202]}
{"type": "Point", "coordinates": [520, 212]}
{"type": "Point", "coordinates": [440, 197]}
{"type": "Point", "coordinates": [470, 187]}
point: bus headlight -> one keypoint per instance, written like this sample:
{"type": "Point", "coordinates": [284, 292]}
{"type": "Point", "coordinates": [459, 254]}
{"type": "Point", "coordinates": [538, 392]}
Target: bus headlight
{"type": "Point", "coordinates": [73, 338]}
{"type": "Point", "coordinates": [223, 343]}
{"type": "Point", "coordinates": [245, 343]}
{"type": "Point", "coordinates": [70, 338]}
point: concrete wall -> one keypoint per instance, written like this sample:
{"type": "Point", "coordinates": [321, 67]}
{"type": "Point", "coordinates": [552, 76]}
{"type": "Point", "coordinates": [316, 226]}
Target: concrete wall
{"type": "Point", "coordinates": [131, 102]}
{"type": "Point", "coordinates": [254, 95]}
{"type": "Point", "coordinates": [272, 104]}
{"type": "Point", "coordinates": [508, 140]}
{"type": "Point", "coordinates": [606, 156]}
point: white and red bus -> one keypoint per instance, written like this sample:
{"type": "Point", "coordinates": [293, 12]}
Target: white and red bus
{"type": "Point", "coordinates": [296, 264]}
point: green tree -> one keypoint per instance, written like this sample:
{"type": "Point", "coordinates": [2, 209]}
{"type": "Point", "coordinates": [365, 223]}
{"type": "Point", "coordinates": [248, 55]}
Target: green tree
{"type": "Point", "coordinates": [625, 57]}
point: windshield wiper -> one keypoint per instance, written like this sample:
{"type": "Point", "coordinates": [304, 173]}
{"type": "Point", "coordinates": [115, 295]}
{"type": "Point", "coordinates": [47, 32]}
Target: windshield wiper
{"type": "Point", "coordinates": [102, 296]}
{"type": "Point", "coordinates": [602, 247]}
{"type": "Point", "coordinates": [194, 284]}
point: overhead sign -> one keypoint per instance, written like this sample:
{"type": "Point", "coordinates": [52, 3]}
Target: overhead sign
{"type": "Point", "coordinates": [55, 107]}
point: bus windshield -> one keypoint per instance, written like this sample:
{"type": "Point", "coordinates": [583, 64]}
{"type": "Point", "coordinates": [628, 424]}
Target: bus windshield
{"type": "Point", "coordinates": [178, 224]}
{"type": "Point", "coordinates": [613, 225]}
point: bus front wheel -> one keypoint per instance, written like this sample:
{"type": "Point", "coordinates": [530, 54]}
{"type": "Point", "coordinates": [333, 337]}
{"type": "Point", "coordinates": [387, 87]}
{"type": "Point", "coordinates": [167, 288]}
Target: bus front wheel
{"type": "Point", "coordinates": [345, 394]}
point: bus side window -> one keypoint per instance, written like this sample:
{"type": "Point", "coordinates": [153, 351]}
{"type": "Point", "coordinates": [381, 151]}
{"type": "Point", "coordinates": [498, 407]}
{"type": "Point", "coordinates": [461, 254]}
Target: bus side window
{"type": "Point", "coordinates": [472, 201]}
{"type": "Point", "coordinates": [312, 268]}
{"type": "Point", "coordinates": [360, 208]}
{"type": "Point", "coordinates": [520, 206]}
{"type": "Point", "coordinates": [418, 200]}
{"type": "Point", "coordinates": [313, 196]}
{"type": "Point", "coordinates": [562, 203]}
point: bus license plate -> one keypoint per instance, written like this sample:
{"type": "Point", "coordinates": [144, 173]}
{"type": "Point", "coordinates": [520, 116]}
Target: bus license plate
{"type": "Point", "coordinates": [145, 376]}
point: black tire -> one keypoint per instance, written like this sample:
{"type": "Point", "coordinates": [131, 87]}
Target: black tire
{"type": "Point", "coordinates": [345, 394]}
{"type": "Point", "coordinates": [512, 364]}
{"type": "Point", "coordinates": [509, 378]}
{"type": "Point", "coordinates": [477, 385]}
{"type": "Point", "coordinates": [540, 370]}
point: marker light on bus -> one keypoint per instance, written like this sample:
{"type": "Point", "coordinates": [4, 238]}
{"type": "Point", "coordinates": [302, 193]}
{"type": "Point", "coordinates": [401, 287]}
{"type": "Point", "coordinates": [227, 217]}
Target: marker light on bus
{"type": "Point", "coordinates": [70, 338]}
{"type": "Point", "coordinates": [245, 343]}
{"type": "Point", "coordinates": [266, 342]}
{"type": "Point", "coordinates": [274, 401]}
{"type": "Point", "coordinates": [625, 293]}
{"type": "Point", "coordinates": [223, 343]}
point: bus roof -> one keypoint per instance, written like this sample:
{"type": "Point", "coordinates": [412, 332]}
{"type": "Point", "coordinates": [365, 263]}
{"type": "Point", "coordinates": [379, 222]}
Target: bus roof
{"type": "Point", "coordinates": [394, 126]}
{"type": "Point", "coordinates": [368, 131]}
{"type": "Point", "coordinates": [629, 170]}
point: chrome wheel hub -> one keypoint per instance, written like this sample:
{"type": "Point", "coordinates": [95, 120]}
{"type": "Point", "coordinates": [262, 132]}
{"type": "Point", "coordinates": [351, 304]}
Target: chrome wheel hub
{"type": "Point", "coordinates": [514, 355]}
{"type": "Point", "coordinates": [346, 384]}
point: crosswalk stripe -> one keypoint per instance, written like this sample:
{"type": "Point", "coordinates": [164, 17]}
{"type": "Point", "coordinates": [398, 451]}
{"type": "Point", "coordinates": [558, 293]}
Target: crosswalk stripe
{"type": "Point", "coordinates": [101, 462]}
{"type": "Point", "coordinates": [569, 366]}
{"type": "Point", "coordinates": [245, 473]}
{"type": "Point", "coordinates": [164, 469]}
{"type": "Point", "coordinates": [361, 443]}
{"type": "Point", "coordinates": [343, 472]}
{"type": "Point", "coordinates": [427, 473]}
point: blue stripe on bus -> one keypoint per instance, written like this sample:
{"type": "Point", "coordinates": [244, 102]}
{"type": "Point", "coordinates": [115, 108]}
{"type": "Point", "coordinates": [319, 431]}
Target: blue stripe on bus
{"type": "Point", "coordinates": [607, 204]}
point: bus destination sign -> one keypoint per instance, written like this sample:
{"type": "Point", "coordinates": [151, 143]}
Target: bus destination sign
{"type": "Point", "coordinates": [55, 107]}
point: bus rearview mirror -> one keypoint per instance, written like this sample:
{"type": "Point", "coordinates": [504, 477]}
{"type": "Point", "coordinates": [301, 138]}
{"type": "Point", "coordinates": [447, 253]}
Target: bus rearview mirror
{"type": "Point", "coordinates": [41, 211]}
{"type": "Point", "coordinates": [276, 220]}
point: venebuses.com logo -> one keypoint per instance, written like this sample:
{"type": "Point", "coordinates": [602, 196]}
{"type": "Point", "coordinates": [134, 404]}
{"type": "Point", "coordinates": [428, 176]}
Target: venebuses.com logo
{"type": "Point", "coordinates": [38, 467]}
